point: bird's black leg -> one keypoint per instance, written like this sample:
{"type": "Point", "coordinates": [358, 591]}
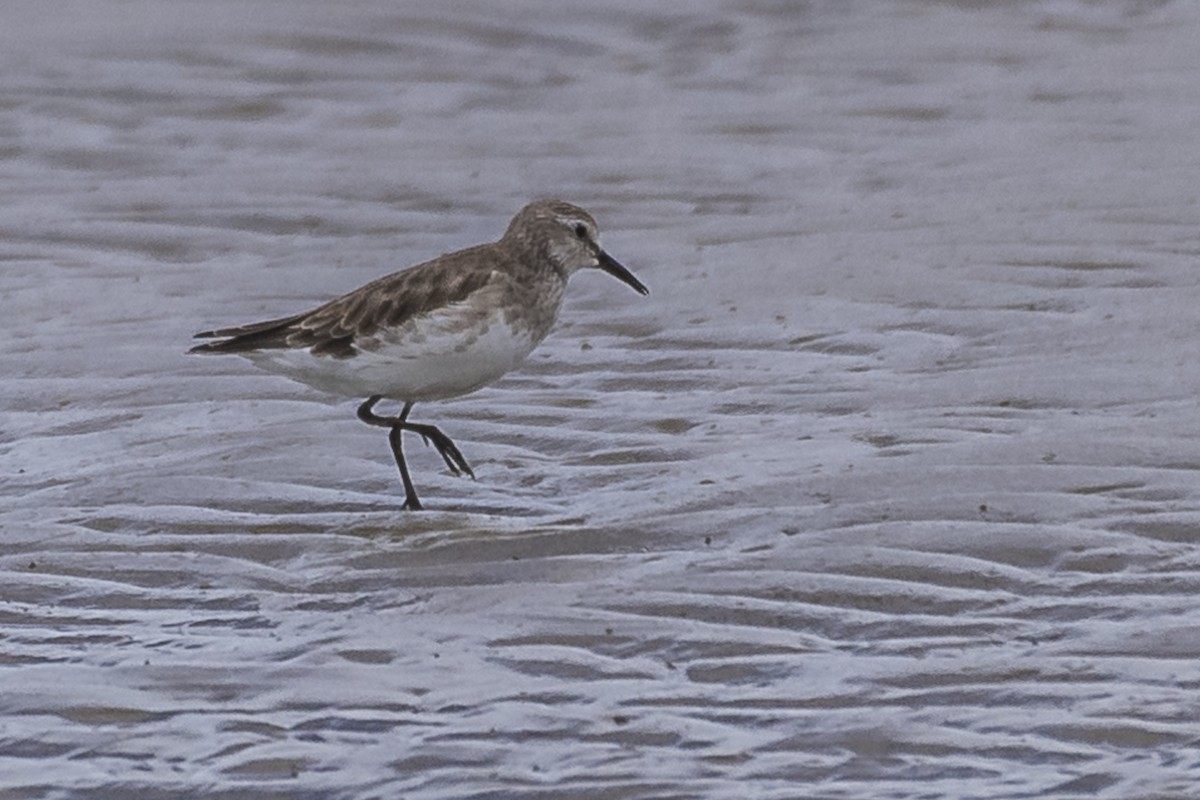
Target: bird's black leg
{"type": "Point", "coordinates": [442, 443]}
{"type": "Point", "coordinates": [396, 426]}
{"type": "Point", "coordinates": [411, 501]}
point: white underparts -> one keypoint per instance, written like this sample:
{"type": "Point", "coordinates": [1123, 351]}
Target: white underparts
{"type": "Point", "coordinates": [433, 357]}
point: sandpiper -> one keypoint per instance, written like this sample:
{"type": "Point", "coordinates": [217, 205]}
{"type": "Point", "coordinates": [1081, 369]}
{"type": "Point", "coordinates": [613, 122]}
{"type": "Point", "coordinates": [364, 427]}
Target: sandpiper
{"type": "Point", "coordinates": [439, 329]}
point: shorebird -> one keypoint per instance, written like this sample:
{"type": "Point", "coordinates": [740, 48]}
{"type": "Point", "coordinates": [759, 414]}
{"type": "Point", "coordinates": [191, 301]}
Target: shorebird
{"type": "Point", "coordinates": [440, 329]}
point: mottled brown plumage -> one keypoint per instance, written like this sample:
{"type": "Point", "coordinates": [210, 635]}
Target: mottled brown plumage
{"type": "Point", "coordinates": [332, 329]}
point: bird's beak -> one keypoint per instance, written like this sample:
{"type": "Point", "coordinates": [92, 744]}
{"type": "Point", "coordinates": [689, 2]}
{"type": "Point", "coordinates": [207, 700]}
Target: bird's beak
{"type": "Point", "coordinates": [614, 268]}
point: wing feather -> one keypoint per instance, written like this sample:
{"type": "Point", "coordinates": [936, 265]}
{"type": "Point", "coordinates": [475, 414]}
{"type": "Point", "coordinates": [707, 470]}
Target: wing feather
{"type": "Point", "coordinates": [333, 328]}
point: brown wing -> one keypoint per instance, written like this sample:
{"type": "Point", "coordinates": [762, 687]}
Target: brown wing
{"type": "Point", "coordinates": [243, 330]}
{"type": "Point", "coordinates": [391, 300]}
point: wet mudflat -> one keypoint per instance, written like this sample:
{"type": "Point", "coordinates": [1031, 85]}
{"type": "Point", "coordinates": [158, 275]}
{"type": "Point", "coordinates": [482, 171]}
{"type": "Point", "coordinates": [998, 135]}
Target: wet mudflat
{"type": "Point", "coordinates": [888, 489]}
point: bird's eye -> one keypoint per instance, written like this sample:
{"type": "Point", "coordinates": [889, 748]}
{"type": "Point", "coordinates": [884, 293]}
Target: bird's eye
{"type": "Point", "coordinates": [581, 230]}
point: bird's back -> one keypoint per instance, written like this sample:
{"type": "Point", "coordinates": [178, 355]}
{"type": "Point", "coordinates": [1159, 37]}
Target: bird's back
{"type": "Point", "coordinates": [335, 328]}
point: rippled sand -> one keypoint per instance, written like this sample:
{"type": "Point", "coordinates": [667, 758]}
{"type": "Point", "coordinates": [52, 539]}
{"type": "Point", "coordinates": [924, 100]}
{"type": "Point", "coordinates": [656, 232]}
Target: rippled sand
{"type": "Point", "coordinates": [888, 489]}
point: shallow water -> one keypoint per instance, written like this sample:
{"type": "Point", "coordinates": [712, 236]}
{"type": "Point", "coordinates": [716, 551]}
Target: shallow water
{"type": "Point", "coordinates": [888, 489]}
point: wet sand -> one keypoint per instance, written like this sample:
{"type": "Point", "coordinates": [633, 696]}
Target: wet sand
{"type": "Point", "coordinates": [888, 489]}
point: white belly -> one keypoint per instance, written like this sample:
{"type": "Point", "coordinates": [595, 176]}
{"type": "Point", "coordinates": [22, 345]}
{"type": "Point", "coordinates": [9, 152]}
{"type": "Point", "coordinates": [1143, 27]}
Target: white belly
{"type": "Point", "coordinates": [426, 359]}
